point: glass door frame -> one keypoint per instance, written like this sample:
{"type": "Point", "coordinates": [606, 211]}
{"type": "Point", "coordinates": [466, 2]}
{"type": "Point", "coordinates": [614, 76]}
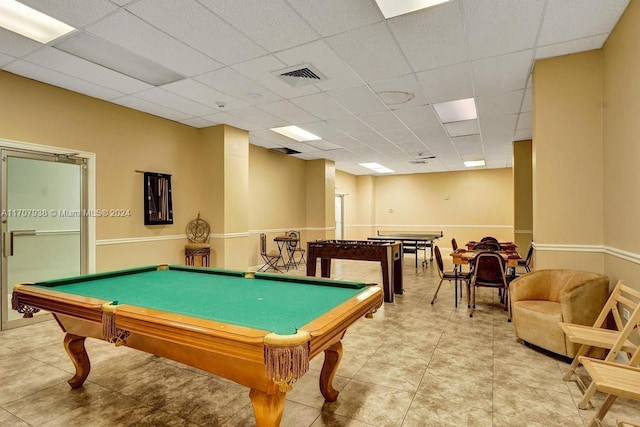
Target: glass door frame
{"type": "Point", "coordinates": [88, 226]}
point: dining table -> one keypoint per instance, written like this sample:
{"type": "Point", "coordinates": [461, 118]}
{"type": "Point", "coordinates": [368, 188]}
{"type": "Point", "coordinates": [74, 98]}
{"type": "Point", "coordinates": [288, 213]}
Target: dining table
{"type": "Point", "coordinates": [462, 257]}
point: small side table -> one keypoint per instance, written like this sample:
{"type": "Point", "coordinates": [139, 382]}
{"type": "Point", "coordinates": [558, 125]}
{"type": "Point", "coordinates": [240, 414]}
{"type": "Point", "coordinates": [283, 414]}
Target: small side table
{"type": "Point", "coordinates": [193, 251]}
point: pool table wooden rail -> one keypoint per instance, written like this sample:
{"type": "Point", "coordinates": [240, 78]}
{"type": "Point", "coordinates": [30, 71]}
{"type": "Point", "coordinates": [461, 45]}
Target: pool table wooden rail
{"type": "Point", "coordinates": [230, 351]}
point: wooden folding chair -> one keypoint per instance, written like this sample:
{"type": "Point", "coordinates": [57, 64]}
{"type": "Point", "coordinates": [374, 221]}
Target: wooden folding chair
{"type": "Point", "coordinates": [598, 336]}
{"type": "Point", "coordinates": [616, 380]}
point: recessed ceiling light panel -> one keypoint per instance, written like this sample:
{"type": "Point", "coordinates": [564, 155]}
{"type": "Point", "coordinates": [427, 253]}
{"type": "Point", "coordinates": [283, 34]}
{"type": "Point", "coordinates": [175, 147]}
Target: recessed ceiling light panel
{"type": "Point", "coordinates": [474, 163]}
{"type": "Point", "coordinates": [102, 52]}
{"type": "Point", "coordinates": [28, 22]}
{"type": "Point", "coordinates": [456, 111]}
{"type": "Point", "coordinates": [391, 8]}
{"type": "Point", "coordinates": [376, 167]}
{"type": "Point", "coordinates": [294, 132]}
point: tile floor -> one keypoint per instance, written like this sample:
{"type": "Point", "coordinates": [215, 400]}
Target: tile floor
{"type": "Point", "coordinates": [413, 364]}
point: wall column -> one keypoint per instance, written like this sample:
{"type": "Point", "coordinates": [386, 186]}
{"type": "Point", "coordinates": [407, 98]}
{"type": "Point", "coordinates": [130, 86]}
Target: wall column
{"type": "Point", "coordinates": [321, 204]}
{"type": "Point", "coordinates": [522, 196]}
{"type": "Point", "coordinates": [567, 162]}
{"type": "Point", "coordinates": [225, 194]}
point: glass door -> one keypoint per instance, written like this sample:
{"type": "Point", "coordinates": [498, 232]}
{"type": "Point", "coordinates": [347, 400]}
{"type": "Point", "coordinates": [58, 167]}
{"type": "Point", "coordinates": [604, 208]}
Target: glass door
{"type": "Point", "coordinates": [43, 223]}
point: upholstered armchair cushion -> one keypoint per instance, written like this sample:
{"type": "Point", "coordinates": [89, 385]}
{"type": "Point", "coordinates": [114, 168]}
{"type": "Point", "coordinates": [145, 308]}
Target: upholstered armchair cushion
{"type": "Point", "coordinates": [541, 299]}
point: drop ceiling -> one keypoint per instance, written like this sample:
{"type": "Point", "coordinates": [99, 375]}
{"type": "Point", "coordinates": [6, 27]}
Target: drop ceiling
{"type": "Point", "coordinates": [379, 78]}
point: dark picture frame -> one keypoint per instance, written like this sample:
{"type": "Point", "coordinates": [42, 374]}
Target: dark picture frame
{"type": "Point", "coordinates": [158, 199]}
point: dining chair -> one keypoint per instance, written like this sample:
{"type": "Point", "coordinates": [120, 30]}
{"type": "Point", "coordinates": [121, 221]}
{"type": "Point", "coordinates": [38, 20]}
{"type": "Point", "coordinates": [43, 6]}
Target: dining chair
{"type": "Point", "coordinates": [526, 263]}
{"type": "Point", "coordinates": [447, 275]}
{"type": "Point", "coordinates": [622, 339]}
{"type": "Point", "coordinates": [271, 259]}
{"type": "Point", "coordinates": [297, 248]}
{"type": "Point", "coordinates": [491, 240]}
{"type": "Point", "coordinates": [454, 244]}
{"type": "Point", "coordinates": [488, 271]}
{"type": "Point", "coordinates": [486, 246]}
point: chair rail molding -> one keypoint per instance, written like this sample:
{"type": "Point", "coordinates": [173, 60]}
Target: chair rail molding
{"type": "Point", "coordinates": [607, 250]}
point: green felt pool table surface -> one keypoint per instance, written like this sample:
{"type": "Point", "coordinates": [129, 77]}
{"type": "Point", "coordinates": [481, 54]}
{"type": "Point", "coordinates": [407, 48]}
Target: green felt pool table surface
{"type": "Point", "coordinates": [274, 303]}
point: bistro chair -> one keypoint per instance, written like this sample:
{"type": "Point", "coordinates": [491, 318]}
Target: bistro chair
{"type": "Point", "coordinates": [488, 271]}
{"type": "Point", "coordinates": [447, 275]}
{"type": "Point", "coordinates": [598, 336]}
{"type": "Point", "coordinates": [296, 248]}
{"type": "Point", "coordinates": [454, 244]}
{"type": "Point", "coordinates": [271, 259]}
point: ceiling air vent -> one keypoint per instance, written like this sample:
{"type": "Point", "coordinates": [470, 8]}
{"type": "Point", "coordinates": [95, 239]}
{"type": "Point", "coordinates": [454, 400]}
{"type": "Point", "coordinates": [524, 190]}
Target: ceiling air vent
{"type": "Point", "coordinates": [301, 75]}
{"type": "Point", "coordinates": [284, 150]}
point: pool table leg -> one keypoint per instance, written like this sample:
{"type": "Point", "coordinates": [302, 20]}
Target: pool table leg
{"type": "Point", "coordinates": [74, 345]}
{"type": "Point", "coordinates": [267, 408]}
{"type": "Point", "coordinates": [332, 356]}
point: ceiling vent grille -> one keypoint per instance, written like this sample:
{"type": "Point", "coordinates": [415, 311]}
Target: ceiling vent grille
{"type": "Point", "coordinates": [301, 75]}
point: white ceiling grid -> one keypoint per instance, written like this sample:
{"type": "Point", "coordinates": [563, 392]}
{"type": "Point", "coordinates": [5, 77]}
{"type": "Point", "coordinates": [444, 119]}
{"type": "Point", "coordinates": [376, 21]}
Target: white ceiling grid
{"type": "Point", "coordinates": [383, 76]}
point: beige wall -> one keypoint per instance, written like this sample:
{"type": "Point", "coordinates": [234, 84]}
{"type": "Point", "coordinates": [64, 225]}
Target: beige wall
{"type": "Point", "coordinates": [567, 157]}
{"type": "Point", "coordinates": [124, 141]}
{"type": "Point", "coordinates": [479, 203]}
{"type": "Point", "coordinates": [585, 145]}
{"type": "Point", "coordinates": [621, 139]}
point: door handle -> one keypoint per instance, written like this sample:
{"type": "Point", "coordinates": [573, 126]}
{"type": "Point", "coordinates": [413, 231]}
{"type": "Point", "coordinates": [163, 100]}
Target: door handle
{"type": "Point", "coordinates": [14, 233]}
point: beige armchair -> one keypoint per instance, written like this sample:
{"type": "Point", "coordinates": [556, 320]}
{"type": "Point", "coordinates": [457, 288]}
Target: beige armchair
{"type": "Point", "coordinates": [541, 299]}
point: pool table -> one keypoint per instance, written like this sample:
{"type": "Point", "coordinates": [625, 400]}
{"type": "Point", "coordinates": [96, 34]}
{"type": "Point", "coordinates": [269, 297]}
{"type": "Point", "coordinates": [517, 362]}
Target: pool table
{"type": "Point", "coordinates": [259, 330]}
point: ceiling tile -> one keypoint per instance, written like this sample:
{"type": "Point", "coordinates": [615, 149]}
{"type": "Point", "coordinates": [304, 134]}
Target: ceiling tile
{"type": "Point", "coordinates": [418, 117]}
{"type": "Point", "coordinates": [502, 73]}
{"type": "Point", "coordinates": [523, 135]}
{"type": "Point", "coordinates": [371, 51]}
{"type": "Point", "coordinates": [391, 91]}
{"type": "Point", "coordinates": [230, 120]}
{"type": "Point", "coordinates": [499, 103]}
{"type": "Point", "coordinates": [431, 134]}
{"type": "Point", "coordinates": [204, 95]}
{"type": "Point", "coordinates": [5, 59]}
{"type": "Point", "coordinates": [55, 78]}
{"type": "Point", "coordinates": [358, 100]}
{"type": "Point", "coordinates": [572, 46]}
{"type": "Point", "coordinates": [432, 37]}
{"type": "Point", "coordinates": [447, 83]}
{"type": "Point", "coordinates": [463, 128]}
{"type": "Point", "coordinates": [382, 121]}
{"type": "Point", "coordinates": [401, 136]}
{"type": "Point", "coordinates": [234, 84]}
{"type": "Point", "coordinates": [164, 97]}
{"type": "Point", "coordinates": [150, 107]}
{"type": "Point", "coordinates": [373, 139]}
{"type": "Point", "coordinates": [196, 26]}
{"type": "Point", "coordinates": [321, 105]}
{"type": "Point", "coordinates": [130, 32]}
{"type": "Point", "coordinates": [498, 129]}
{"type": "Point", "coordinates": [198, 122]}
{"type": "Point", "coordinates": [527, 101]}
{"type": "Point", "coordinates": [259, 117]}
{"type": "Point", "coordinates": [323, 130]}
{"type": "Point", "coordinates": [322, 57]}
{"type": "Point", "coordinates": [77, 13]}
{"type": "Point", "coordinates": [352, 126]}
{"type": "Point", "coordinates": [346, 142]}
{"type": "Point", "coordinates": [258, 19]}
{"type": "Point", "coordinates": [288, 111]}
{"type": "Point", "coordinates": [261, 70]}
{"type": "Point", "coordinates": [569, 20]}
{"type": "Point", "coordinates": [70, 65]}
{"type": "Point", "coordinates": [337, 16]}
{"type": "Point", "coordinates": [323, 145]}
{"type": "Point", "coordinates": [16, 45]}
{"type": "Point", "coordinates": [524, 121]}
{"type": "Point", "coordinates": [497, 27]}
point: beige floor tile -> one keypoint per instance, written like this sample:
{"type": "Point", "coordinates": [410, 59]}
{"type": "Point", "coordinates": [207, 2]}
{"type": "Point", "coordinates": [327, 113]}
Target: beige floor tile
{"type": "Point", "coordinates": [413, 364]}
